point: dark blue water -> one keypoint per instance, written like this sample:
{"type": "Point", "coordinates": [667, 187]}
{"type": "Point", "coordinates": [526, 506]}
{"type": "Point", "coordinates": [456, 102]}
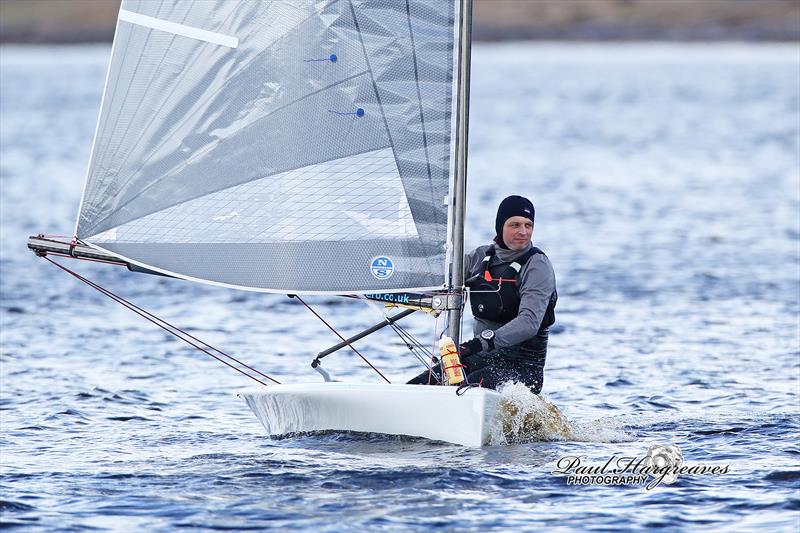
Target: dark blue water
{"type": "Point", "coordinates": [667, 185]}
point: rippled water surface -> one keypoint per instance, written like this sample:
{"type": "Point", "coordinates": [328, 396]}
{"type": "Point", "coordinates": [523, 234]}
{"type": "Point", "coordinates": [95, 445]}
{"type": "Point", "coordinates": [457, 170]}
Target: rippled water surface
{"type": "Point", "coordinates": [667, 186]}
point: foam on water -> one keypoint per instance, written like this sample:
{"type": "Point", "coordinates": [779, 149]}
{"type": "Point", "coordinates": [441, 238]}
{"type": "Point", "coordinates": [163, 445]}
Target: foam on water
{"type": "Point", "coordinates": [525, 417]}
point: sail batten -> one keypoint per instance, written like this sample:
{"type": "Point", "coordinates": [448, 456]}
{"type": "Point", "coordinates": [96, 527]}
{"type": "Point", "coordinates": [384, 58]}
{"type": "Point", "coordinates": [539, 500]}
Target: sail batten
{"type": "Point", "coordinates": [312, 157]}
{"type": "Point", "coordinates": [178, 29]}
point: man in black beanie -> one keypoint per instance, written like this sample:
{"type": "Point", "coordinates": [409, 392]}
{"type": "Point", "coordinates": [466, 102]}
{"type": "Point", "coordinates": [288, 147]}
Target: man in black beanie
{"type": "Point", "coordinates": [512, 292]}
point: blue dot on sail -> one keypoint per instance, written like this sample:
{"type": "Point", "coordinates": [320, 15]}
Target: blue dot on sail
{"type": "Point", "coordinates": [359, 112]}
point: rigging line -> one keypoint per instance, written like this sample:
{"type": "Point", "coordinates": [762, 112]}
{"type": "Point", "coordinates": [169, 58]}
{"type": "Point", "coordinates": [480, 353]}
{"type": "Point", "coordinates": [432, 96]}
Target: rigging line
{"type": "Point", "coordinates": [414, 345]}
{"type": "Point", "coordinates": [409, 344]}
{"type": "Point", "coordinates": [134, 174]}
{"type": "Point", "coordinates": [461, 330]}
{"type": "Point", "coordinates": [371, 304]}
{"type": "Point", "coordinates": [412, 337]}
{"type": "Point", "coordinates": [415, 351]}
{"type": "Point", "coordinates": [338, 335]}
{"type": "Point", "coordinates": [431, 374]}
{"type": "Point", "coordinates": [163, 324]}
{"type": "Point", "coordinates": [209, 96]}
{"type": "Point", "coordinates": [409, 341]}
{"type": "Point", "coordinates": [405, 334]}
{"type": "Point", "coordinates": [408, 338]}
{"type": "Point", "coordinates": [436, 339]}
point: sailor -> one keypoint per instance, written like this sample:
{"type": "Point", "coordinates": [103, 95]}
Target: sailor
{"type": "Point", "coordinates": [513, 297]}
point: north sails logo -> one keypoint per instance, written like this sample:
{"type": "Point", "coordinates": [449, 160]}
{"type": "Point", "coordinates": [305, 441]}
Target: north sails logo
{"type": "Point", "coordinates": [382, 267]}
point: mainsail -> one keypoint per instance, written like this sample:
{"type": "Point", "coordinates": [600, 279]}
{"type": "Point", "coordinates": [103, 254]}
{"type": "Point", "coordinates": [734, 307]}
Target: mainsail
{"type": "Point", "coordinates": [290, 146]}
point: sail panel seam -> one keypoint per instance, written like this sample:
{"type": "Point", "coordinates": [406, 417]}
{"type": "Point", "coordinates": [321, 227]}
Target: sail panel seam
{"type": "Point", "coordinates": [383, 114]}
{"type": "Point", "coordinates": [149, 86]}
{"type": "Point", "coordinates": [421, 114]}
{"type": "Point", "coordinates": [98, 125]}
{"type": "Point", "coordinates": [179, 80]}
{"type": "Point", "coordinates": [213, 191]}
{"type": "Point", "coordinates": [419, 97]}
{"type": "Point", "coordinates": [144, 190]}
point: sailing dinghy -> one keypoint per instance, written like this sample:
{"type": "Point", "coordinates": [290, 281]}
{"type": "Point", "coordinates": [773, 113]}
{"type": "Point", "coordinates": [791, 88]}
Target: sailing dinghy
{"type": "Point", "coordinates": [227, 127]}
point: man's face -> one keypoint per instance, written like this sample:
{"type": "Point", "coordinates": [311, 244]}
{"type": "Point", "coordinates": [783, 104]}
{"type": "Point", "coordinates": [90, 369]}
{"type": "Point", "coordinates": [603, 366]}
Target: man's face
{"type": "Point", "coordinates": [517, 233]}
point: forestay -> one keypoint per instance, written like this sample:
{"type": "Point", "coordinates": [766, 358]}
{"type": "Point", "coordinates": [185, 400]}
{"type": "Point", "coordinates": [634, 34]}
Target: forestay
{"type": "Point", "coordinates": [289, 146]}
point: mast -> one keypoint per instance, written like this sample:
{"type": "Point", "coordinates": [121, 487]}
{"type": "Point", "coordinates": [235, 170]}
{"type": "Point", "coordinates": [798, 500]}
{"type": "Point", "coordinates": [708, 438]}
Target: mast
{"type": "Point", "coordinates": [460, 185]}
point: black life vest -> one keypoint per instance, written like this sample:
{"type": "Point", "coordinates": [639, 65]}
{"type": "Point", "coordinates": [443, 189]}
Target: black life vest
{"type": "Point", "coordinates": [494, 294]}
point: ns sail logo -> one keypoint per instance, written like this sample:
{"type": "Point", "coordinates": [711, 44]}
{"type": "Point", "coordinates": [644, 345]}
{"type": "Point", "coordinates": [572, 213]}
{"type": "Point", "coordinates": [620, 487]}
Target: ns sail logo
{"type": "Point", "coordinates": [382, 267]}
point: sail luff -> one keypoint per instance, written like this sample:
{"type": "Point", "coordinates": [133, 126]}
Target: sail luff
{"type": "Point", "coordinates": [96, 131]}
{"type": "Point", "coordinates": [460, 186]}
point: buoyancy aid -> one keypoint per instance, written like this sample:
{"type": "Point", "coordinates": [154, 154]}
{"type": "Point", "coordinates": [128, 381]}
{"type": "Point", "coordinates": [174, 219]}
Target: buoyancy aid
{"type": "Point", "coordinates": [494, 294]}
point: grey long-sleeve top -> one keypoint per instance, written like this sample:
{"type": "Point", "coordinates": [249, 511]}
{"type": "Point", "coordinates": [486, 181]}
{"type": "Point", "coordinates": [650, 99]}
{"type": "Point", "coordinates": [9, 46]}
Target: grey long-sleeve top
{"type": "Point", "coordinates": [537, 284]}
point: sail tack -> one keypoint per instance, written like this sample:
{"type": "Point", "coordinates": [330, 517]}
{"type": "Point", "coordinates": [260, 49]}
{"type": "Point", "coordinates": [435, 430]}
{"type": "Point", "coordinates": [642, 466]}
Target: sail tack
{"type": "Point", "coordinates": [314, 156]}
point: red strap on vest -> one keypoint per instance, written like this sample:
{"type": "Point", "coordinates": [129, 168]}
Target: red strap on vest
{"type": "Point", "coordinates": [488, 277]}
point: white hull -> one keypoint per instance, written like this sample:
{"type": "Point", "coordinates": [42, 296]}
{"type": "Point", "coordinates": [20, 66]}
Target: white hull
{"type": "Point", "coordinates": [436, 413]}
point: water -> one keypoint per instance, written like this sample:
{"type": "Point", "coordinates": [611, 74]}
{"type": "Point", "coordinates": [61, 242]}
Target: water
{"type": "Point", "coordinates": [667, 185]}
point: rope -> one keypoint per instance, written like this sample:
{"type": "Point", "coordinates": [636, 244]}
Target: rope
{"type": "Point", "coordinates": [342, 338]}
{"type": "Point", "coordinates": [434, 361]}
{"type": "Point", "coordinates": [466, 386]}
{"type": "Point", "coordinates": [410, 339]}
{"type": "Point", "coordinates": [166, 326]}
{"type": "Point", "coordinates": [414, 346]}
{"type": "Point", "coordinates": [413, 349]}
{"type": "Point", "coordinates": [411, 342]}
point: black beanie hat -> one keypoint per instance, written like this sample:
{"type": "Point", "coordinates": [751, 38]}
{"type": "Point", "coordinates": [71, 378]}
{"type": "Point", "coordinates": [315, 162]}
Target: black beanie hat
{"type": "Point", "coordinates": [513, 206]}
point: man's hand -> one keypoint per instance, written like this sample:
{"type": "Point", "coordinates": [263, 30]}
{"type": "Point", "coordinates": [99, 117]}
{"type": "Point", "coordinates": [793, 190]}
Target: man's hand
{"type": "Point", "coordinates": [470, 347]}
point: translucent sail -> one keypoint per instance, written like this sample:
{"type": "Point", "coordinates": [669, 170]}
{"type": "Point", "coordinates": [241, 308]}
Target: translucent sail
{"type": "Point", "coordinates": [288, 146]}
